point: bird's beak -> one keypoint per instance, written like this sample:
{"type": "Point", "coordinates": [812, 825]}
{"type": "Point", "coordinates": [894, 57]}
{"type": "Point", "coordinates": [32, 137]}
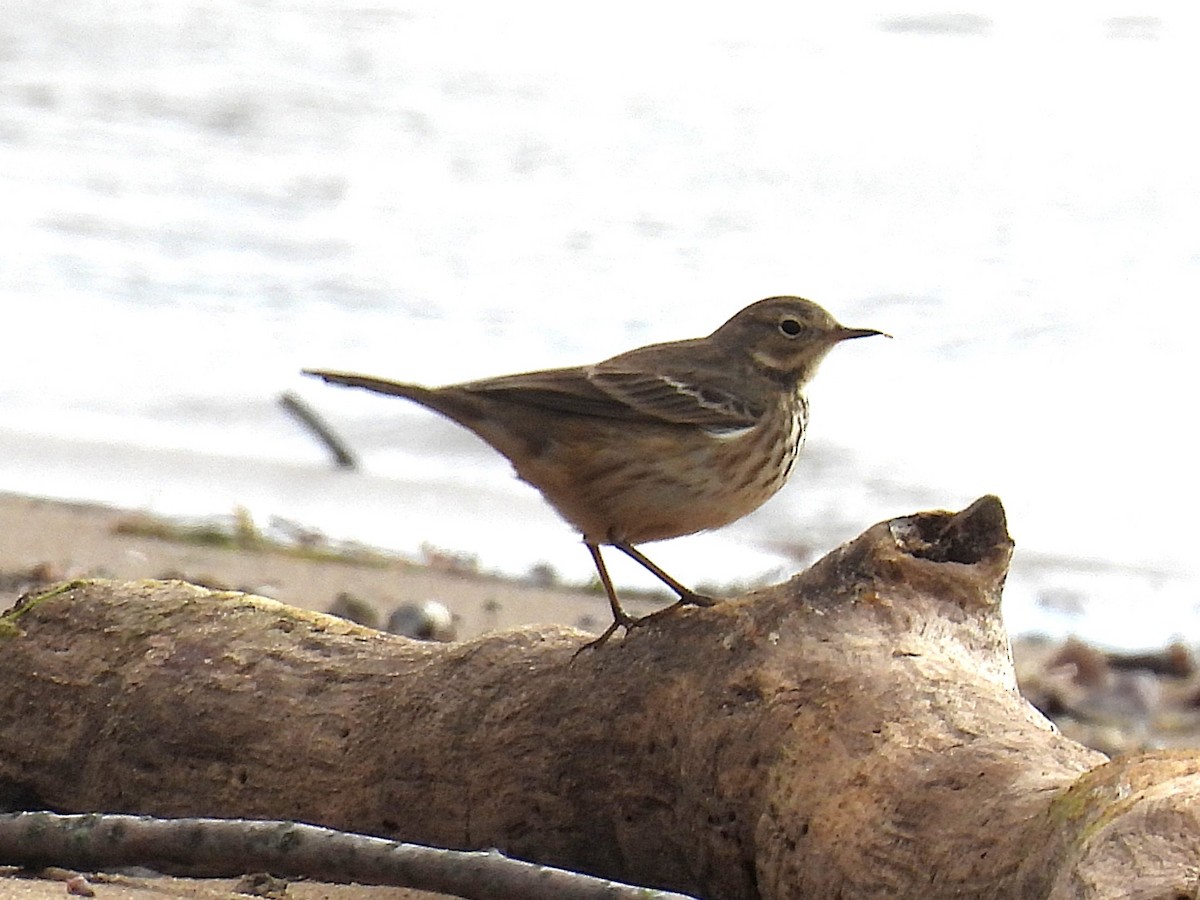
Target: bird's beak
{"type": "Point", "coordinates": [845, 334]}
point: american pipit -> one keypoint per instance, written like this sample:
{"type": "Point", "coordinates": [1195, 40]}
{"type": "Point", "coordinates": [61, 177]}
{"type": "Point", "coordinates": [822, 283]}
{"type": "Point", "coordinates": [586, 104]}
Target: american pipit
{"type": "Point", "coordinates": [656, 443]}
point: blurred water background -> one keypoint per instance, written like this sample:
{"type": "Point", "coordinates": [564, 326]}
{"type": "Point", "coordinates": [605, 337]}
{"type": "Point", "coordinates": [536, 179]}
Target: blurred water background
{"type": "Point", "coordinates": [199, 198]}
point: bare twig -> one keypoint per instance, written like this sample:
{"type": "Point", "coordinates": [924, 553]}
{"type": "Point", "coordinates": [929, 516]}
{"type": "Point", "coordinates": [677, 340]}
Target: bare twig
{"type": "Point", "coordinates": [304, 414]}
{"type": "Point", "coordinates": [226, 847]}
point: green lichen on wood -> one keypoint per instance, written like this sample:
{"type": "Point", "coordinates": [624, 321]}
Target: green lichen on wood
{"type": "Point", "coordinates": [29, 602]}
{"type": "Point", "coordinates": [173, 597]}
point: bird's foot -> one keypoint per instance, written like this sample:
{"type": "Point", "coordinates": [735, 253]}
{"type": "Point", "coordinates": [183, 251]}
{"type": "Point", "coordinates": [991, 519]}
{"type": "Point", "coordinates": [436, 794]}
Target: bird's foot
{"type": "Point", "coordinates": [628, 622]}
{"type": "Point", "coordinates": [622, 620]}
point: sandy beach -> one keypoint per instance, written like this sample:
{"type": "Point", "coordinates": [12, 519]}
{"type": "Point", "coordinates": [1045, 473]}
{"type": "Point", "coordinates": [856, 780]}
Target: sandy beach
{"type": "Point", "coordinates": [46, 540]}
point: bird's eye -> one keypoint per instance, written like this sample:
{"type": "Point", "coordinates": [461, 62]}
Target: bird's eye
{"type": "Point", "coordinates": [790, 327]}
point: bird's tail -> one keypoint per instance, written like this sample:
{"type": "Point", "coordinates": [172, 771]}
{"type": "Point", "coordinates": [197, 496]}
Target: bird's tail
{"type": "Point", "coordinates": [451, 403]}
{"type": "Point", "coordinates": [379, 385]}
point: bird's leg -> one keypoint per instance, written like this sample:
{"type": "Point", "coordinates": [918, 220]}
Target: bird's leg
{"type": "Point", "coordinates": [621, 619]}
{"type": "Point", "coordinates": [687, 597]}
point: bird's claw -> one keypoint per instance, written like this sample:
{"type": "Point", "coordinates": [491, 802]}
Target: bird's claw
{"type": "Point", "coordinates": [624, 620]}
{"type": "Point", "coordinates": [628, 622]}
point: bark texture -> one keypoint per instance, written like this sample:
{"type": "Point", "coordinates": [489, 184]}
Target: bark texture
{"type": "Point", "coordinates": [854, 732]}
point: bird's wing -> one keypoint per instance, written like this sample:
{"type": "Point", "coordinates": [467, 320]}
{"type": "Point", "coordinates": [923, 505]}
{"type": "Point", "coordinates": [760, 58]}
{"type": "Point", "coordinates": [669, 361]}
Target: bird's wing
{"type": "Point", "coordinates": [621, 389]}
{"type": "Point", "coordinates": [676, 392]}
{"type": "Point", "coordinates": [663, 388]}
{"type": "Point", "coordinates": [670, 398]}
{"type": "Point", "coordinates": [559, 390]}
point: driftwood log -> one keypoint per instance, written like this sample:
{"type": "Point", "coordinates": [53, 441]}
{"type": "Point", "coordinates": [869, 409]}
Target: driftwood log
{"type": "Point", "coordinates": [855, 732]}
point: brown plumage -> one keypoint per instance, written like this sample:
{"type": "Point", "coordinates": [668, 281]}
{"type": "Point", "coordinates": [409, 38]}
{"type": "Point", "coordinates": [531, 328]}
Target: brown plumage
{"type": "Point", "coordinates": [658, 442]}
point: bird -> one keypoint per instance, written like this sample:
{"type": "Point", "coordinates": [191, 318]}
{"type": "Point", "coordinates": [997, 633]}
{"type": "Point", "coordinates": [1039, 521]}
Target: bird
{"type": "Point", "coordinates": [662, 441]}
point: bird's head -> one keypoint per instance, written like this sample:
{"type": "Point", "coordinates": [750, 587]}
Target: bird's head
{"type": "Point", "coordinates": [786, 337]}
